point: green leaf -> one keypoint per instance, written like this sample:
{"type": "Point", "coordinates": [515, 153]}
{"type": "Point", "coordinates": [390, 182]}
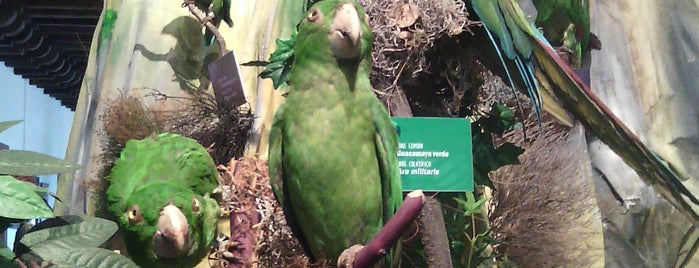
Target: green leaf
{"type": "Point", "coordinates": [7, 124]}
{"type": "Point", "coordinates": [280, 61]}
{"type": "Point", "coordinates": [27, 163]}
{"type": "Point", "coordinates": [92, 257]}
{"type": "Point", "coordinates": [6, 257]}
{"type": "Point", "coordinates": [255, 63]}
{"type": "Point", "coordinates": [82, 232]}
{"type": "Point", "coordinates": [500, 119]}
{"type": "Point", "coordinates": [486, 157]}
{"type": "Point", "coordinates": [19, 200]}
{"type": "Point", "coordinates": [471, 206]}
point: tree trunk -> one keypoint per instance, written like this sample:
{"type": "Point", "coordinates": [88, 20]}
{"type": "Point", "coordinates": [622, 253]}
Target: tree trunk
{"type": "Point", "coordinates": [646, 74]}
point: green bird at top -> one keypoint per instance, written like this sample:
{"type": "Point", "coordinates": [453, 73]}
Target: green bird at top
{"type": "Point", "coordinates": [216, 10]}
{"type": "Point", "coordinates": [332, 153]}
{"type": "Point", "coordinates": [567, 23]}
{"type": "Point", "coordinates": [159, 193]}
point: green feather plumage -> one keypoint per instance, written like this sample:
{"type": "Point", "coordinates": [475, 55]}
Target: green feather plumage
{"type": "Point", "coordinates": [332, 156]}
{"type": "Point", "coordinates": [506, 21]}
{"type": "Point", "coordinates": [555, 16]}
{"type": "Point", "coordinates": [157, 171]}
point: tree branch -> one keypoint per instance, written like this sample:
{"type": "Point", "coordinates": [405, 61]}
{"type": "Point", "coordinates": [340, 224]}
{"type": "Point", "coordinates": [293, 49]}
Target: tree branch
{"type": "Point", "coordinates": [434, 234]}
{"type": "Point", "coordinates": [210, 26]}
{"type": "Point", "coordinates": [387, 237]}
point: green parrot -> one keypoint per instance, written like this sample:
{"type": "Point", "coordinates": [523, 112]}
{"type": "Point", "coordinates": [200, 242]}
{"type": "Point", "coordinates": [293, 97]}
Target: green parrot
{"type": "Point", "coordinates": [159, 192]}
{"type": "Point", "coordinates": [216, 10]}
{"type": "Point", "coordinates": [567, 23]}
{"type": "Point", "coordinates": [332, 153]}
{"type": "Point", "coordinates": [555, 16]}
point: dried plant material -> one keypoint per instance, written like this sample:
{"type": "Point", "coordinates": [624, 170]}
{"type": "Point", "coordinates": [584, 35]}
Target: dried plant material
{"type": "Point", "coordinates": [260, 236]}
{"type": "Point", "coordinates": [406, 15]}
{"type": "Point", "coordinates": [405, 30]}
{"type": "Point", "coordinates": [223, 132]}
{"type": "Point", "coordinates": [127, 118]}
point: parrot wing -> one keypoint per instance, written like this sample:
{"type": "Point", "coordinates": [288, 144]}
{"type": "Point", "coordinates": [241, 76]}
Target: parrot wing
{"type": "Point", "coordinates": [386, 150]}
{"type": "Point", "coordinates": [274, 158]}
{"type": "Point", "coordinates": [597, 117]}
{"type": "Point", "coordinates": [276, 177]}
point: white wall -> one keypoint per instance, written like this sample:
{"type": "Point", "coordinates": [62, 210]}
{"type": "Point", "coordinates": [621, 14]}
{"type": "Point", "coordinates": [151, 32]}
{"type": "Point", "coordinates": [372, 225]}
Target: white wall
{"type": "Point", "coordinates": [45, 127]}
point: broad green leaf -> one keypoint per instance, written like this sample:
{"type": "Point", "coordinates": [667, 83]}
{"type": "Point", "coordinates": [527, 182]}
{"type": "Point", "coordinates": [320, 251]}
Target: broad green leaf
{"type": "Point", "coordinates": [86, 232]}
{"type": "Point", "coordinates": [6, 257]}
{"type": "Point", "coordinates": [7, 124]}
{"type": "Point", "coordinates": [280, 62]}
{"type": "Point", "coordinates": [19, 200]}
{"type": "Point", "coordinates": [500, 119]}
{"type": "Point", "coordinates": [27, 163]}
{"type": "Point", "coordinates": [486, 157]}
{"type": "Point", "coordinates": [471, 205]}
{"type": "Point", "coordinates": [91, 257]}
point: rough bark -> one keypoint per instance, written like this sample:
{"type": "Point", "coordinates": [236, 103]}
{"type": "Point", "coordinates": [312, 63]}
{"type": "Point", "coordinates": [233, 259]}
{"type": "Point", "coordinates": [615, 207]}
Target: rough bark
{"type": "Point", "coordinates": [646, 73]}
{"type": "Point", "coordinates": [434, 235]}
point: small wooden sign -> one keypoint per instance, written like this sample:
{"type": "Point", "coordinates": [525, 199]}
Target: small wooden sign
{"type": "Point", "coordinates": [225, 78]}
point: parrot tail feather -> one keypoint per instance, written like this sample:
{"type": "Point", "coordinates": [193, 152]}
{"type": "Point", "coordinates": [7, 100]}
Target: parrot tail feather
{"type": "Point", "coordinates": [507, 72]}
{"type": "Point", "coordinates": [526, 70]}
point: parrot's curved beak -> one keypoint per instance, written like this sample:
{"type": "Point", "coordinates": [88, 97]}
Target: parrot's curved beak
{"type": "Point", "coordinates": [345, 33]}
{"type": "Point", "coordinates": [171, 239]}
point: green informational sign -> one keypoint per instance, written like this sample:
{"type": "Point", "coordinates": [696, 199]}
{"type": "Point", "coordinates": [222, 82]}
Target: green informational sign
{"type": "Point", "coordinates": [434, 154]}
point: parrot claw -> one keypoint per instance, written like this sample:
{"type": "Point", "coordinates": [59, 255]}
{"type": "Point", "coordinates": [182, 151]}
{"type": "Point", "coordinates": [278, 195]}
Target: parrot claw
{"type": "Point", "coordinates": [346, 259]}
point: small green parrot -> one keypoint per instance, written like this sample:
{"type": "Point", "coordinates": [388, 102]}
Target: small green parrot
{"type": "Point", "coordinates": [159, 192]}
{"type": "Point", "coordinates": [567, 23]}
{"type": "Point", "coordinates": [332, 153]}
{"type": "Point", "coordinates": [555, 16]}
{"type": "Point", "coordinates": [216, 10]}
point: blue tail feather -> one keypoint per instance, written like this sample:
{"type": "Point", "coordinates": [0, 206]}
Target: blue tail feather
{"type": "Point", "coordinates": [504, 66]}
{"type": "Point", "coordinates": [526, 70]}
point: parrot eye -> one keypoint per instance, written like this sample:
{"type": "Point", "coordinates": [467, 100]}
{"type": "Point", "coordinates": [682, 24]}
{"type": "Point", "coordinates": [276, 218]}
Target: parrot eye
{"type": "Point", "coordinates": [313, 15]}
{"type": "Point", "coordinates": [134, 214]}
{"type": "Point", "coordinates": [195, 205]}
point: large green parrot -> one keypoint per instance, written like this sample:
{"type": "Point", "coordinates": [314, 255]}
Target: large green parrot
{"type": "Point", "coordinates": [332, 155]}
{"type": "Point", "coordinates": [216, 10]}
{"type": "Point", "coordinates": [159, 192]}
